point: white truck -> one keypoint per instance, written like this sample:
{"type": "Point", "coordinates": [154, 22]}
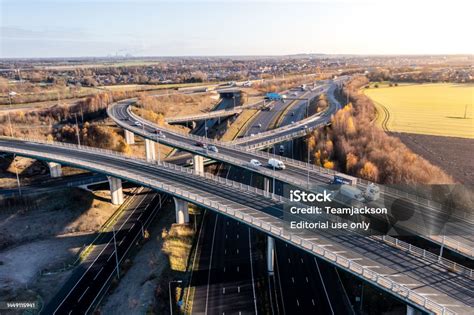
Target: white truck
{"type": "Point", "coordinates": [351, 192]}
{"type": "Point", "coordinates": [276, 164]}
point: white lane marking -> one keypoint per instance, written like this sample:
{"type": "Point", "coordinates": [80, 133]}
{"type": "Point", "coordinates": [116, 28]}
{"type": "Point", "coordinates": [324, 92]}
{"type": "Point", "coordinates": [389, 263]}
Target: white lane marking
{"type": "Point", "coordinates": [297, 302]}
{"type": "Point", "coordinates": [237, 236]}
{"type": "Point", "coordinates": [223, 290]}
{"type": "Point", "coordinates": [210, 264]}
{"type": "Point", "coordinates": [251, 271]}
{"type": "Point", "coordinates": [312, 301]}
{"type": "Point", "coordinates": [307, 280]}
{"type": "Point", "coordinates": [194, 261]}
{"type": "Point", "coordinates": [98, 273]}
{"type": "Point", "coordinates": [238, 269]}
{"type": "Point", "coordinates": [289, 260]}
{"type": "Point", "coordinates": [97, 257]}
{"type": "Point", "coordinates": [324, 286]}
{"type": "Point", "coordinates": [293, 279]}
{"type": "Point", "coordinates": [84, 293]}
{"type": "Point", "coordinates": [237, 251]}
{"type": "Point", "coordinates": [238, 289]}
{"type": "Point", "coordinates": [302, 260]}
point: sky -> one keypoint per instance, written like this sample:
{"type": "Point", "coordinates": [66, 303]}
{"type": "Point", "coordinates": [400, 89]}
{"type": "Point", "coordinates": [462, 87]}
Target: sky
{"type": "Point", "coordinates": [80, 28]}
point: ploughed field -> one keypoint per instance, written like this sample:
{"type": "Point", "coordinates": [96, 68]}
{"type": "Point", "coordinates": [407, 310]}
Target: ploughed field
{"type": "Point", "coordinates": [443, 109]}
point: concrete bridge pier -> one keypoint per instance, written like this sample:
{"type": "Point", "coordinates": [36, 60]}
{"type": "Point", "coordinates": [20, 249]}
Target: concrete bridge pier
{"type": "Point", "coordinates": [182, 211]}
{"type": "Point", "coordinates": [412, 311]}
{"type": "Point", "coordinates": [116, 192]}
{"type": "Point", "coordinates": [270, 254]}
{"type": "Point", "coordinates": [150, 150]}
{"type": "Point", "coordinates": [55, 169]}
{"type": "Point", "coordinates": [198, 162]}
{"type": "Point", "coordinates": [266, 185]}
{"type": "Point", "coordinates": [129, 137]}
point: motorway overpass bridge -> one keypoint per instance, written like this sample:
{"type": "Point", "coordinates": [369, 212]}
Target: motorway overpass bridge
{"type": "Point", "coordinates": [298, 174]}
{"type": "Point", "coordinates": [419, 281]}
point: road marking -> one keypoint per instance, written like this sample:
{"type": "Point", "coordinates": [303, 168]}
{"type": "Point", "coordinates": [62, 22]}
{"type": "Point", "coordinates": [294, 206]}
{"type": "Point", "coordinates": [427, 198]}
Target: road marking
{"type": "Point", "coordinates": [223, 290]}
{"type": "Point", "coordinates": [312, 301]}
{"type": "Point", "coordinates": [84, 293]}
{"type": "Point", "coordinates": [307, 280]}
{"type": "Point", "coordinates": [251, 271]}
{"type": "Point", "coordinates": [238, 269]}
{"type": "Point", "coordinates": [225, 251]}
{"type": "Point", "coordinates": [369, 266]}
{"type": "Point", "coordinates": [302, 260]}
{"type": "Point", "coordinates": [194, 261]}
{"type": "Point", "coordinates": [237, 236]}
{"type": "Point", "coordinates": [210, 264]}
{"type": "Point", "coordinates": [297, 302]}
{"type": "Point", "coordinates": [90, 266]}
{"type": "Point", "coordinates": [238, 289]}
{"type": "Point", "coordinates": [237, 251]}
{"type": "Point", "coordinates": [293, 279]}
{"type": "Point", "coordinates": [98, 273]}
{"type": "Point", "coordinates": [324, 286]}
{"type": "Point", "coordinates": [289, 260]}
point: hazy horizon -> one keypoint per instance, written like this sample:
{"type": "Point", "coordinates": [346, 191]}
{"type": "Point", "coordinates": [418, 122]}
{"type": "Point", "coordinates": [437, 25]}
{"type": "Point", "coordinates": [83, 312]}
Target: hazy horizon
{"type": "Point", "coordinates": [98, 29]}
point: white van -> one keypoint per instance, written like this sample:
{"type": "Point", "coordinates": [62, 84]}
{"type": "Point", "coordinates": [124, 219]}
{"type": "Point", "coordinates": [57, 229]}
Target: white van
{"type": "Point", "coordinates": [276, 164]}
{"type": "Point", "coordinates": [372, 192]}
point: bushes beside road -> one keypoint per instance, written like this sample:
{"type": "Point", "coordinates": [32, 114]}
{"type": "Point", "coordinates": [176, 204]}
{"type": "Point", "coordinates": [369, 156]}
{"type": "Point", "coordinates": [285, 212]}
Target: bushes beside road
{"type": "Point", "coordinates": [353, 145]}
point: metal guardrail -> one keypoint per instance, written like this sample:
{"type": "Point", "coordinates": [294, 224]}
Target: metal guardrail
{"type": "Point", "coordinates": [277, 231]}
{"type": "Point", "coordinates": [451, 265]}
{"type": "Point", "coordinates": [456, 245]}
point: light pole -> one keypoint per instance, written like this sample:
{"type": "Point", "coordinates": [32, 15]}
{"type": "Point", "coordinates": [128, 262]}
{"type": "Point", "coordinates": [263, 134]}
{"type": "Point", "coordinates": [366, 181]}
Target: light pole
{"type": "Point", "coordinates": [169, 287]}
{"type": "Point", "coordinates": [10, 94]}
{"type": "Point", "coordinates": [159, 151]}
{"type": "Point", "coordinates": [77, 131]}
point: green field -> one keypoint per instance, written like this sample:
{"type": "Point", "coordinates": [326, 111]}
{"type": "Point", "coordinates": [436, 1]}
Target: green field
{"type": "Point", "coordinates": [432, 109]}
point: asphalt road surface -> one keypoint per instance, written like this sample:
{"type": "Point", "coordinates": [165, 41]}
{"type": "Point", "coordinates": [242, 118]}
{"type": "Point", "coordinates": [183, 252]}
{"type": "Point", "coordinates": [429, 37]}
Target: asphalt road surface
{"type": "Point", "coordinates": [91, 278]}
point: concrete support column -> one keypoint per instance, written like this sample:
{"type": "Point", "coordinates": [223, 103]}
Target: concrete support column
{"type": "Point", "coordinates": [116, 192]}
{"type": "Point", "coordinates": [412, 311]}
{"type": "Point", "coordinates": [182, 211]}
{"type": "Point", "coordinates": [198, 162]}
{"type": "Point", "coordinates": [129, 137]}
{"type": "Point", "coordinates": [266, 185]}
{"type": "Point", "coordinates": [150, 150]}
{"type": "Point", "coordinates": [270, 254]}
{"type": "Point", "coordinates": [55, 169]}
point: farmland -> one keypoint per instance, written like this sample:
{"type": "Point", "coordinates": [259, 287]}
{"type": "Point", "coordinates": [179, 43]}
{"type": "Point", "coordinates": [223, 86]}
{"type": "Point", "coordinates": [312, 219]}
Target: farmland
{"type": "Point", "coordinates": [431, 109]}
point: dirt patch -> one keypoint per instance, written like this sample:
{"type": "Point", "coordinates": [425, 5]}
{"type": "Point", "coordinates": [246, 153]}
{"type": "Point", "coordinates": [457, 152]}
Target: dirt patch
{"type": "Point", "coordinates": [453, 155]}
{"type": "Point", "coordinates": [45, 233]}
{"type": "Point", "coordinates": [67, 211]}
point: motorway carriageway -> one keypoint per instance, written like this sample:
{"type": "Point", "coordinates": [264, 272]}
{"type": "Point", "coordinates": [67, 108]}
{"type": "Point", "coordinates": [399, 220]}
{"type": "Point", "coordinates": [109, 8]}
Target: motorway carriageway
{"type": "Point", "coordinates": [90, 280]}
{"type": "Point", "coordinates": [460, 231]}
{"type": "Point", "coordinates": [422, 276]}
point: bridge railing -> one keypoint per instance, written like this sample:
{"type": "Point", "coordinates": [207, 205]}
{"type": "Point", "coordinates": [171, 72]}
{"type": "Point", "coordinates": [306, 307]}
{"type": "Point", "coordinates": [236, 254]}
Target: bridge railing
{"type": "Point", "coordinates": [271, 228]}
